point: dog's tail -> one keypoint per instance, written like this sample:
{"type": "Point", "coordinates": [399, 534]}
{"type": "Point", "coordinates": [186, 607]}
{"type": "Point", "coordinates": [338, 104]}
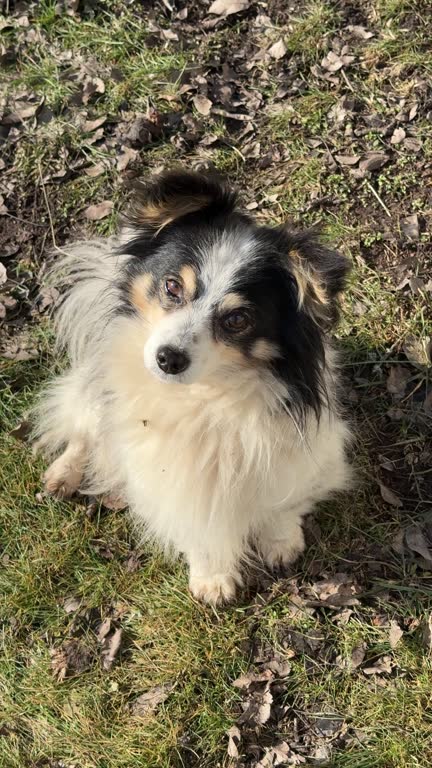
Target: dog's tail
{"type": "Point", "coordinates": [87, 276]}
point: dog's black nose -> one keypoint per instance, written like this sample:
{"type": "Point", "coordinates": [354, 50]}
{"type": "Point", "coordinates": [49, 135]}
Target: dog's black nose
{"type": "Point", "coordinates": [172, 360]}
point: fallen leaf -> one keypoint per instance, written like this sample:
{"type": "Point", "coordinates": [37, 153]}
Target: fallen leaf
{"type": "Point", "coordinates": [357, 655]}
{"type": "Point", "coordinates": [426, 638]}
{"type": "Point", "coordinates": [99, 211]}
{"type": "Point", "coordinates": [384, 665]}
{"type": "Point", "coordinates": [48, 295]}
{"type": "Point", "coordinates": [228, 7]}
{"type": "Point", "coordinates": [359, 32]}
{"type": "Point", "coordinates": [280, 754]}
{"type": "Point", "coordinates": [244, 681]}
{"type": "Point", "coordinates": [71, 658]}
{"type": "Point", "coordinates": [149, 701]}
{"type": "Point", "coordinates": [398, 136]}
{"type": "Point", "coordinates": [3, 274]}
{"type": "Point", "coordinates": [22, 431]}
{"type": "Point", "coordinates": [410, 227]}
{"type": "Point", "coordinates": [372, 161]}
{"type": "Point", "coordinates": [95, 170]}
{"type": "Point", "coordinates": [347, 159]}
{"type": "Point", "coordinates": [418, 351]}
{"type": "Point", "coordinates": [202, 104]}
{"type": "Point", "coordinates": [91, 125]}
{"type": "Point", "coordinates": [278, 50]}
{"type": "Point", "coordinates": [233, 741]}
{"type": "Point", "coordinates": [416, 542]}
{"type": "Point", "coordinates": [71, 604]}
{"type": "Point", "coordinates": [125, 157]}
{"type": "Point", "coordinates": [390, 497]}
{"type": "Point", "coordinates": [113, 644]}
{"type": "Point", "coordinates": [92, 85]}
{"type": "Point", "coordinates": [333, 62]}
{"type": "Point", "coordinates": [395, 634]}
{"type": "Point", "coordinates": [104, 629]}
{"type": "Point", "coordinates": [397, 380]}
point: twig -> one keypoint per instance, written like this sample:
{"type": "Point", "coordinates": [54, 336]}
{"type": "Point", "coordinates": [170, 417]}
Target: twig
{"type": "Point", "coordinates": [375, 193]}
{"type": "Point", "coordinates": [347, 81]}
{"type": "Point", "coordinates": [47, 207]}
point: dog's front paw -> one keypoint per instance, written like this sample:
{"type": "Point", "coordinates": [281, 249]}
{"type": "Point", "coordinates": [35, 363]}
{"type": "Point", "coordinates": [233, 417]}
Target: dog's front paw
{"type": "Point", "coordinates": [279, 553]}
{"type": "Point", "coordinates": [62, 479]}
{"type": "Point", "coordinates": [216, 589]}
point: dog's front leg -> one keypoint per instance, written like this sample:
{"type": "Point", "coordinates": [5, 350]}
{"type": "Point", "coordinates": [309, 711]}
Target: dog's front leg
{"type": "Point", "coordinates": [213, 579]}
{"type": "Point", "coordinates": [280, 540]}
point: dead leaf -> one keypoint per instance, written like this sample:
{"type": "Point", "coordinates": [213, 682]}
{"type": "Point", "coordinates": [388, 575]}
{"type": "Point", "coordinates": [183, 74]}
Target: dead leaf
{"type": "Point", "coordinates": [418, 351]}
{"type": "Point", "coordinates": [233, 741]}
{"type": "Point", "coordinates": [3, 274]}
{"type": "Point", "coordinates": [372, 161]}
{"type": "Point", "coordinates": [357, 655]}
{"type": "Point", "coordinates": [95, 170]}
{"type": "Point", "coordinates": [390, 497]}
{"type": "Point", "coordinates": [125, 157]}
{"type": "Point", "coordinates": [149, 701]}
{"type": "Point", "coordinates": [398, 136]}
{"type": "Point", "coordinates": [109, 654]}
{"type": "Point", "coordinates": [71, 658]}
{"type": "Point", "coordinates": [228, 7]}
{"type": "Point", "coordinates": [48, 295]}
{"type": "Point", "coordinates": [22, 431]}
{"type": "Point", "coordinates": [104, 629]}
{"type": "Point", "coordinates": [347, 159]}
{"type": "Point", "coordinates": [278, 50]}
{"type": "Point", "coordinates": [397, 380]}
{"type": "Point", "coordinates": [417, 542]}
{"type": "Point", "coordinates": [71, 604]}
{"type": "Point", "coordinates": [359, 32]}
{"type": "Point", "coordinates": [426, 638]}
{"type": "Point", "coordinates": [333, 62]}
{"type": "Point", "coordinates": [244, 681]}
{"type": "Point", "coordinates": [92, 86]}
{"type": "Point", "coordinates": [280, 754]}
{"type": "Point", "coordinates": [202, 104]}
{"type": "Point", "coordinates": [395, 634]}
{"type": "Point", "coordinates": [91, 125]}
{"type": "Point", "coordinates": [412, 144]}
{"type": "Point", "coordinates": [410, 227]}
{"type": "Point", "coordinates": [99, 211]}
{"type": "Point", "coordinates": [384, 665]}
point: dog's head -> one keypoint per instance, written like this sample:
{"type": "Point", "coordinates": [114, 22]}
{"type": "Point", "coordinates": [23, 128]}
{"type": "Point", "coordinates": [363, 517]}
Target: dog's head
{"type": "Point", "coordinates": [217, 293]}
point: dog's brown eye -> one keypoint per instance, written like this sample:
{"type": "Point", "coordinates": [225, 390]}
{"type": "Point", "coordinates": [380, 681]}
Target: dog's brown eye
{"type": "Point", "coordinates": [236, 321]}
{"type": "Point", "coordinates": [174, 289]}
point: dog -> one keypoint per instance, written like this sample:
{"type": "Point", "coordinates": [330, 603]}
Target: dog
{"type": "Point", "coordinates": [202, 385]}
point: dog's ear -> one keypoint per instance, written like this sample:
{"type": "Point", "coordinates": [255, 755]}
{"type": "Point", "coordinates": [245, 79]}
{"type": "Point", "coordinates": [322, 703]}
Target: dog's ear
{"type": "Point", "coordinates": [320, 274]}
{"type": "Point", "coordinates": [175, 194]}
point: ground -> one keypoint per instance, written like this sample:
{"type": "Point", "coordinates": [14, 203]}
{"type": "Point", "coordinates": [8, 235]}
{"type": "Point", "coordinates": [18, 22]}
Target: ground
{"type": "Point", "coordinates": [319, 112]}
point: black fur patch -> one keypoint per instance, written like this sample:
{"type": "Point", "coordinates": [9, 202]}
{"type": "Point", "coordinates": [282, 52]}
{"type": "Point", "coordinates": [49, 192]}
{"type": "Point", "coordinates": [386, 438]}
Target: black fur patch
{"type": "Point", "coordinates": [268, 283]}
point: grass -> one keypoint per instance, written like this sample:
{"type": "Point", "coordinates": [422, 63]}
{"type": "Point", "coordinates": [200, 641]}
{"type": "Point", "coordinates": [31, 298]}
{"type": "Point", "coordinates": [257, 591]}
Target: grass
{"type": "Point", "coordinates": [52, 550]}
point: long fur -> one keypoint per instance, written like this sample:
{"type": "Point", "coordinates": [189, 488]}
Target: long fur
{"type": "Point", "coordinates": [208, 468]}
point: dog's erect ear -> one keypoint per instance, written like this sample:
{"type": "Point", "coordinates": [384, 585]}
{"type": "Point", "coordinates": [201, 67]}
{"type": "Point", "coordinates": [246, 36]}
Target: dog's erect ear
{"type": "Point", "coordinates": [175, 194]}
{"type": "Point", "coordinates": [320, 274]}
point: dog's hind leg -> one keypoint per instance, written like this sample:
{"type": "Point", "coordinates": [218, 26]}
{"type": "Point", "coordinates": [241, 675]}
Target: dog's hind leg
{"type": "Point", "coordinates": [63, 477]}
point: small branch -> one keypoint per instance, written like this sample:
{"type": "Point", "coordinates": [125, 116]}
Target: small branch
{"type": "Point", "coordinates": [381, 202]}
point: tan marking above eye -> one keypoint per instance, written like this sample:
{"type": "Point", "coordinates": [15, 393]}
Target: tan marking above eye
{"type": "Point", "coordinates": [140, 297]}
{"type": "Point", "coordinates": [188, 275]}
{"type": "Point", "coordinates": [232, 301]}
{"type": "Point", "coordinates": [265, 350]}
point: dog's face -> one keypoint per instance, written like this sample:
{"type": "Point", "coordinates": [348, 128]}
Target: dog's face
{"type": "Point", "coordinates": [216, 293]}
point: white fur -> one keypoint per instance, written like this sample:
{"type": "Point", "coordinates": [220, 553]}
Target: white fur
{"type": "Point", "coordinates": [209, 467]}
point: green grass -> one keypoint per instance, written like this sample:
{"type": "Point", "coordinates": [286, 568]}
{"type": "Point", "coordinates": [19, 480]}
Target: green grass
{"type": "Point", "coordinates": [52, 550]}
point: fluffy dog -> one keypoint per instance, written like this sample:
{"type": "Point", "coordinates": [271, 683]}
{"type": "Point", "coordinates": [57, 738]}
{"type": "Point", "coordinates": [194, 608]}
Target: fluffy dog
{"type": "Point", "coordinates": [202, 383]}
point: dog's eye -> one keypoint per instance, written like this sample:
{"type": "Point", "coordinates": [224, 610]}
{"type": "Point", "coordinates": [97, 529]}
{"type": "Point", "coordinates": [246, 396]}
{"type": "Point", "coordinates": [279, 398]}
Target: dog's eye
{"type": "Point", "coordinates": [236, 321]}
{"type": "Point", "coordinates": [173, 289]}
